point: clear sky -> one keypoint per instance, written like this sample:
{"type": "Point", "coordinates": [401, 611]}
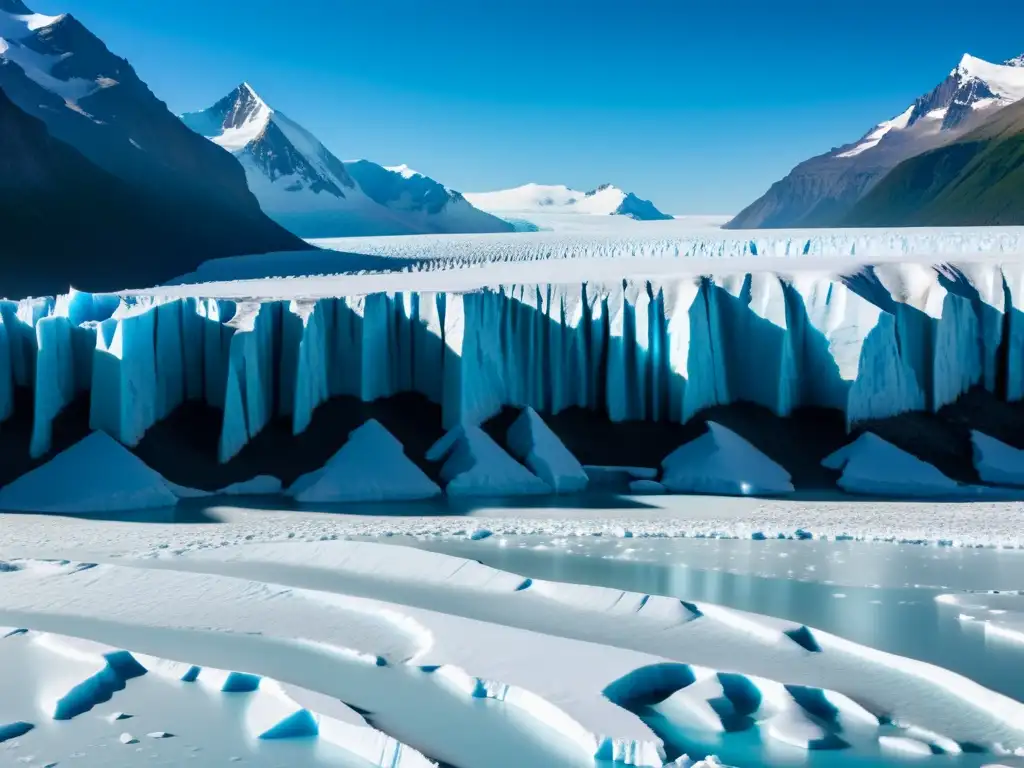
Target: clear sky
{"type": "Point", "coordinates": [698, 105]}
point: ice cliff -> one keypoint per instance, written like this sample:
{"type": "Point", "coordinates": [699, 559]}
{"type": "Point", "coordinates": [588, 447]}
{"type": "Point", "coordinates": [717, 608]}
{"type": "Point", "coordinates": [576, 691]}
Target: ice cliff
{"type": "Point", "coordinates": [875, 342]}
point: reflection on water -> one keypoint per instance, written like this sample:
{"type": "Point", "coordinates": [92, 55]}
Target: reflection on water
{"type": "Point", "coordinates": [894, 616]}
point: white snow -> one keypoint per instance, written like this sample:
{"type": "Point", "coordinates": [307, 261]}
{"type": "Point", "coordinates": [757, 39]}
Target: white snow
{"type": "Point", "coordinates": [316, 195]}
{"type": "Point", "coordinates": [96, 474]}
{"type": "Point", "coordinates": [418, 639]}
{"type": "Point", "coordinates": [403, 170]}
{"type": "Point", "coordinates": [997, 462]}
{"type": "Point", "coordinates": [1005, 81]}
{"type": "Point", "coordinates": [898, 123]}
{"type": "Point", "coordinates": [722, 462]}
{"type": "Point", "coordinates": [532, 442]}
{"type": "Point", "coordinates": [541, 198]}
{"type": "Point", "coordinates": [873, 466]}
{"type": "Point", "coordinates": [475, 465]}
{"type": "Point", "coordinates": [371, 466]}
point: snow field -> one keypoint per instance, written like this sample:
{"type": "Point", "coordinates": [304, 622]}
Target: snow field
{"type": "Point", "coordinates": [408, 637]}
{"type": "Point", "coordinates": [98, 705]}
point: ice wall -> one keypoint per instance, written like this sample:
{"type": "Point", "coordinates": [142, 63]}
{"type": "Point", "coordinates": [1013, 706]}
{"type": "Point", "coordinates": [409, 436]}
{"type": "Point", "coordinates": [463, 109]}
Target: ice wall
{"type": "Point", "coordinates": [875, 342]}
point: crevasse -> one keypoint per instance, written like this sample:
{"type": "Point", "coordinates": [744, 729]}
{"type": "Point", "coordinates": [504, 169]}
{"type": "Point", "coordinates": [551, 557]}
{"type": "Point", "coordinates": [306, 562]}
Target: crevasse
{"type": "Point", "coordinates": [878, 342]}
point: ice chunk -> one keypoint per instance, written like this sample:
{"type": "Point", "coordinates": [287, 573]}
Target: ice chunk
{"type": "Point", "coordinates": [96, 474]}
{"type": "Point", "coordinates": [873, 466]}
{"type": "Point", "coordinates": [371, 466]}
{"type": "Point", "coordinates": [475, 465]}
{"type": "Point", "coordinates": [722, 462]}
{"type": "Point", "coordinates": [531, 441]}
{"type": "Point", "coordinates": [997, 462]}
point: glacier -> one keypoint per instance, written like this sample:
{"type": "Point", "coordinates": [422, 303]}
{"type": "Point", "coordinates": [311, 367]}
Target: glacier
{"type": "Point", "coordinates": [784, 323]}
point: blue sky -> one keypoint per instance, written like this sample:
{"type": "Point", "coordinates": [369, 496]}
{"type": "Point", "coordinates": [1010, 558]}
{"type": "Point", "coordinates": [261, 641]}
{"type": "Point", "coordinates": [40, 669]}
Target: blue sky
{"type": "Point", "coordinates": [698, 106]}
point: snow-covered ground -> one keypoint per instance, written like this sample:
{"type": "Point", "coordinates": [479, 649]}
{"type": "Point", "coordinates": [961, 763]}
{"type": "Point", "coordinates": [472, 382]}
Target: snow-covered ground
{"type": "Point", "coordinates": [457, 661]}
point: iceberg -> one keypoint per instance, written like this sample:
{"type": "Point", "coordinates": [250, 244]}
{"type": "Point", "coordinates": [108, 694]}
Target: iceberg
{"type": "Point", "coordinates": [532, 442]}
{"type": "Point", "coordinates": [876, 467]}
{"type": "Point", "coordinates": [371, 466]}
{"type": "Point", "coordinates": [723, 463]}
{"type": "Point", "coordinates": [96, 474]}
{"type": "Point", "coordinates": [475, 465]}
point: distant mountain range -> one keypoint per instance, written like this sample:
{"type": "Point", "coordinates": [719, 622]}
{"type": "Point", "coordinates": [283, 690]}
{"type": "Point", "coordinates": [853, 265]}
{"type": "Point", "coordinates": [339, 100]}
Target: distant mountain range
{"type": "Point", "coordinates": [606, 200]}
{"type": "Point", "coordinates": [304, 187]}
{"type": "Point", "coordinates": [827, 190]}
{"type": "Point", "coordinates": [89, 100]}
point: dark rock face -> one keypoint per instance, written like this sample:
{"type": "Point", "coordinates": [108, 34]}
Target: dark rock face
{"type": "Point", "coordinates": [67, 222]}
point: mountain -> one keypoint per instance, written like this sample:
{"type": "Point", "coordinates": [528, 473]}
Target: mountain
{"type": "Point", "coordinates": [976, 180]}
{"type": "Point", "coordinates": [820, 192]}
{"type": "Point", "coordinates": [65, 221]}
{"type": "Point", "coordinates": [304, 187]}
{"type": "Point", "coordinates": [606, 200]}
{"type": "Point", "coordinates": [56, 70]}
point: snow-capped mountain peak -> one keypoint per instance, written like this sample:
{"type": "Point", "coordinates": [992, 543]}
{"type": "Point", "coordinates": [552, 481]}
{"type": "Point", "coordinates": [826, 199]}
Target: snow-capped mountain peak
{"type": "Point", "coordinates": [306, 188]}
{"type": "Point", "coordinates": [819, 191]}
{"type": "Point", "coordinates": [605, 200]}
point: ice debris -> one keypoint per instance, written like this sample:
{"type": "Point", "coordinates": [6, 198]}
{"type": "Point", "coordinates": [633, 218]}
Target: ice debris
{"type": "Point", "coordinates": [475, 465]}
{"type": "Point", "coordinates": [532, 442]}
{"type": "Point", "coordinates": [722, 462]}
{"type": "Point", "coordinates": [371, 466]}
{"type": "Point", "coordinates": [876, 467]}
{"type": "Point", "coordinates": [96, 474]}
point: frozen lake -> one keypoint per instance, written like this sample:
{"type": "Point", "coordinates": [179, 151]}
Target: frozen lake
{"type": "Point", "coordinates": [881, 595]}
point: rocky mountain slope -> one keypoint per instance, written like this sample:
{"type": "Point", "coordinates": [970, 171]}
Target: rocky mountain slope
{"type": "Point", "coordinates": [976, 180]}
{"type": "Point", "coordinates": [56, 70]}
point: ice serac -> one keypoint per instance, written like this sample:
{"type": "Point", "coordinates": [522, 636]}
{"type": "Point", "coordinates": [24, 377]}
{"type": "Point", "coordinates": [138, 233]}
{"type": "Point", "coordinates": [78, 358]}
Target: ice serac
{"type": "Point", "coordinates": [475, 465]}
{"type": "Point", "coordinates": [371, 466]}
{"type": "Point", "coordinates": [876, 467]}
{"type": "Point", "coordinates": [96, 474]}
{"type": "Point", "coordinates": [722, 462]}
{"type": "Point", "coordinates": [997, 462]}
{"type": "Point", "coordinates": [870, 340]}
{"type": "Point", "coordinates": [532, 442]}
